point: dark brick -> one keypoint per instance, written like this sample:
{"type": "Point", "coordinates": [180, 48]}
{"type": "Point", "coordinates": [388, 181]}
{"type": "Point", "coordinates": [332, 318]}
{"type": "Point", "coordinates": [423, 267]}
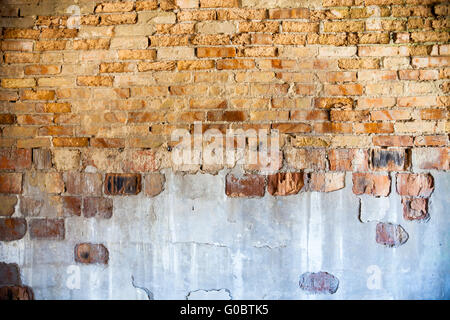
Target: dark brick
{"type": "Point", "coordinates": [319, 283]}
{"type": "Point", "coordinates": [47, 229]}
{"type": "Point", "coordinates": [16, 293]}
{"type": "Point", "coordinates": [71, 206]}
{"type": "Point", "coordinates": [90, 253]}
{"type": "Point", "coordinates": [9, 274]}
{"type": "Point", "coordinates": [97, 207]}
{"type": "Point", "coordinates": [12, 229]}
{"type": "Point", "coordinates": [7, 118]}
{"type": "Point", "coordinates": [389, 160]}
{"type": "Point", "coordinates": [247, 185]}
{"type": "Point", "coordinates": [122, 183]}
{"type": "Point", "coordinates": [391, 235]}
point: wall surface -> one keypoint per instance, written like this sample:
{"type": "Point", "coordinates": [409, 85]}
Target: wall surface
{"type": "Point", "coordinates": [352, 96]}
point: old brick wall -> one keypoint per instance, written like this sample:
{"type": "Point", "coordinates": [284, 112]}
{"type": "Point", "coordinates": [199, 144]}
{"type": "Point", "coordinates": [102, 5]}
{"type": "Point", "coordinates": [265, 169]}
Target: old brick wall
{"type": "Point", "coordinates": [91, 92]}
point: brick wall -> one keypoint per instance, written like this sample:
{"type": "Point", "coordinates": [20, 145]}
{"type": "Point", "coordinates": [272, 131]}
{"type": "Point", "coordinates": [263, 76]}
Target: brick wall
{"type": "Point", "coordinates": [88, 102]}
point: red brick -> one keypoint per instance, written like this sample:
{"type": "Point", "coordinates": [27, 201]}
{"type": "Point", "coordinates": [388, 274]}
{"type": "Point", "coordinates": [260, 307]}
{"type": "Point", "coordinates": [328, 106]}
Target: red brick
{"type": "Point", "coordinates": [96, 207]}
{"type": "Point", "coordinates": [91, 253]}
{"type": "Point", "coordinates": [391, 235]}
{"type": "Point", "coordinates": [11, 182]}
{"type": "Point", "coordinates": [392, 141]}
{"type": "Point", "coordinates": [47, 229]}
{"type": "Point", "coordinates": [71, 206]}
{"type": "Point", "coordinates": [12, 229]}
{"type": "Point", "coordinates": [89, 184]}
{"type": "Point", "coordinates": [247, 185]}
{"type": "Point", "coordinates": [415, 185]}
{"type": "Point", "coordinates": [285, 183]}
{"type": "Point", "coordinates": [319, 283]}
{"type": "Point", "coordinates": [348, 159]}
{"type": "Point", "coordinates": [326, 181]}
{"type": "Point", "coordinates": [15, 159]}
{"type": "Point", "coordinates": [9, 274]}
{"type": "Point", "coordinates": [415, 209]}
{"type": "Point", "coordinates": [372, 184]}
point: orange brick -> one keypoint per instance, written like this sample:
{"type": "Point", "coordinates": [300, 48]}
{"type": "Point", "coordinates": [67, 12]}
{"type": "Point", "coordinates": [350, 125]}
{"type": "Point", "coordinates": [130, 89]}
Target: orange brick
{"type": "Point", "coordinates": [212, 52]}
{"type": "Point", "coordinates": [95, 81]}
{"type": "Point", "coordinates": [70, 142]}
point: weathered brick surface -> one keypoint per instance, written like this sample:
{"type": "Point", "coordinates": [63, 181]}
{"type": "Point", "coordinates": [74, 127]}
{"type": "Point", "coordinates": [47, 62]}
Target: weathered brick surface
{"type": "Point", "coordinates": [86, 113]}
{"type": "Point", "coordinates": [319, 283]}
{"type": "Point", "coordinates": [12, 229]}
{"type": "Point", "coordinates": [285, 183]}
{"type": "Point", "coordinates": [372, 184]}
{"type": "Point", "coordinates": [91, 253]}
{"type": "Point", "coordinates": [416, 185]}
{"type": "Point", "coordinates": [122, 183]}
{"type": "Point", "coordinates": [247, 185]}
{"type": "Point", "coordinates": [390, 235]}
{"type": "Point", "coordinates": [47, 229]}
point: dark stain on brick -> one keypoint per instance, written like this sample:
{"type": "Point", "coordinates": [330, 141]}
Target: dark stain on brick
{"type": "Point", "coordinates": [319, 282]}
{"type": "Point", "coordinates": [389, 159]}
{"type": "Point", "coordinates": [122, 183]}
{"type": "Point", "coordinates": [49, 229]}
{"type": "Point", "coordinates": [16, 293]}
{"type": "Point", "coordinates": [12, 229]}
{"type": "Point", "coordinates": [91, 253]}
{"type": "Point", "coordinates": [9, 274]}
{"type": "Point", "coordinates": [71, 206]}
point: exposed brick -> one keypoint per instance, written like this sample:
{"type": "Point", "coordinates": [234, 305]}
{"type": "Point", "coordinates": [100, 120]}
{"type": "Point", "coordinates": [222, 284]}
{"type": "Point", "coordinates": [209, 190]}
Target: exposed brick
{"type": "Point", "coordinates": [415, 185]}
{"type": "Point", "coordinates": [431, 158]}
{"type": "Point", "coordinates": [389, 159]}
{"type": "Point", "coordinates": [8, 205]}
{"type": "Point", "coordinates": [391, 235]}
{"type": "Point", "coordinates": [9, 274]}
{"type": "Point", "coordinates": [247, 185]}
{"type": "Point", "coordinates": [11, 182]}
{"type": "Point", "coordinates": [415, 209]}
{"type": "Point", "coordinates": [15, 159]}
{"type": "Point", "coordinates": [285, 183]}
{"type": "Point", "coordinates": [16, 293]}
{"type": "Point", "coordinates": [12, 229]}
{"type": "Point", "coordinates": [372, 184]}
{"type": "Point", "coordinates": [47, 229]}
{"type": "Point", "coordinates": [327, 181]}
{"type": "Point", "coordinates": [122, 184]}
{"type": "Point", "coordinates": [154, 184]}
{"type": "Point", "coordinates": [91, 253]}
{"type": "Point", "coordinates": [319, 283]}
{"type": "Point", "coordinates": [97, 207]}
{"type": "Point", "coordinates": [71, 206]}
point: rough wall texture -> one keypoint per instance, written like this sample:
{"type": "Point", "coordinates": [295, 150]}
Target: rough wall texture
{"type": "Point", "coordinates": [93, 204]}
